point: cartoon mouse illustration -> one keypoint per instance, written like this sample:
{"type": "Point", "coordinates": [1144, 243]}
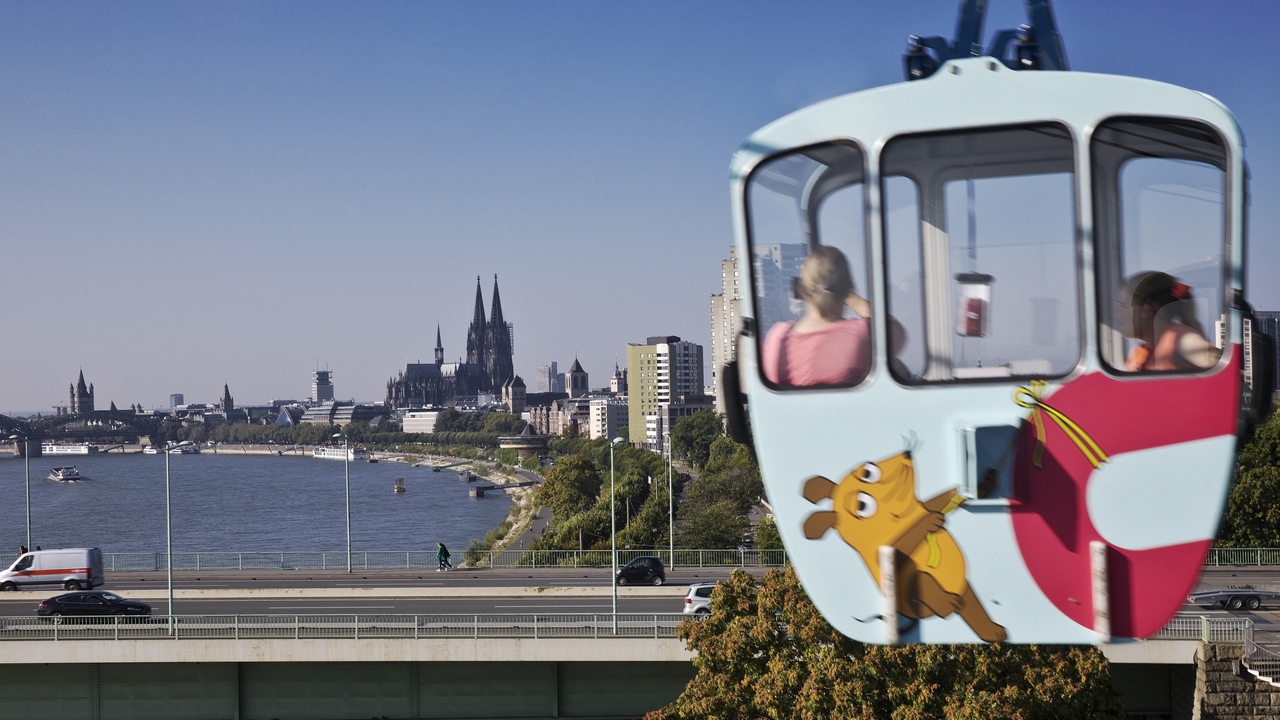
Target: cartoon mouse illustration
{"type": "Point", "coordinates": [876, 505]}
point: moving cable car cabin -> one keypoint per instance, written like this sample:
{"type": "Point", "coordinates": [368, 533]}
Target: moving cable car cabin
{"type": "Point", "coordinates": [994, 346]}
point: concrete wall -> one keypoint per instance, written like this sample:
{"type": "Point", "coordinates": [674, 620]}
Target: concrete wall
{"type": "Point", "coordinates": [338, 690]}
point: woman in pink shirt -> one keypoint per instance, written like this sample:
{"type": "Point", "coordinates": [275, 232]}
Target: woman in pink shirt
{"type": "Point", "coordinates": [822, 347]}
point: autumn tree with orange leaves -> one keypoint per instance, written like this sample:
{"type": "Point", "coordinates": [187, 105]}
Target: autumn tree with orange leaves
{"type": "Point", "coordinates": [766, 652]}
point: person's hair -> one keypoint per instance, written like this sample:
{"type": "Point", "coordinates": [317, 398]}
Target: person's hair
{"type": "Point", "coordinates": [1172, 298]}
{"type": "Point", "coordinates": [825, 281]}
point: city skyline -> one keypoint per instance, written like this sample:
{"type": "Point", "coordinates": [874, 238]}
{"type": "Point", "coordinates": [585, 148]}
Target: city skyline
{"type": "Point", "coordinates": [244, 193]}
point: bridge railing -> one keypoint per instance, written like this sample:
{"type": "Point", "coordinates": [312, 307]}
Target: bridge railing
{"type": "Point", "coordinates": [352, 627]}
{"type": "Point", "coordinates": [425, 559]}
{"type": "Point", "coordinates": [585, 626]}
{"type": "Point", "coordinates": [1243, 556]}
{"type": "Point", "coordinates": [419, 559]}
{"type": "Point", "coordinates": [1207, 628]}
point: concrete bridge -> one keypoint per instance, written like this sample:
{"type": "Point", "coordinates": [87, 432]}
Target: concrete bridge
{"type": "Point", "coordinates": [338, 666]}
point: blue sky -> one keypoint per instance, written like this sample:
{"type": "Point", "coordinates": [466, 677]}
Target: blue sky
{"type": "Point", "coordinates": [196, 194]}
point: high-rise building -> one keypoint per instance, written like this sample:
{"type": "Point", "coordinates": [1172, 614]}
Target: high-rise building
{"type": "Point", "coordinates": [663, 371]}
{"type": "Point", "coordinates": [176, 400]}
{"type": "Point", "coordinates": [724, 323]}
{"type": "Point", "coordinates": [549, 378]}
{"type": "Point", "coordinates": [321, 386]}
{"type": "Point", "coordinates": [775, 267]}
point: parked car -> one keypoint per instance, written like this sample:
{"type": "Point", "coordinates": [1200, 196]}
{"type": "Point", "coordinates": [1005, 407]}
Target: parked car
{"type": "Point", "coordinates": [644, 569]}
{"type": "Point", "coordinates": [91, 602]}
{"type": "Point", "coordinates": [697, 601]}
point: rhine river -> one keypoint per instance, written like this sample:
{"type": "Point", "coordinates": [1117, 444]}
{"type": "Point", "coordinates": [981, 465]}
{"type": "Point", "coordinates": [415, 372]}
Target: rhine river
{"type": "Point", "coordinates": [235, 502]}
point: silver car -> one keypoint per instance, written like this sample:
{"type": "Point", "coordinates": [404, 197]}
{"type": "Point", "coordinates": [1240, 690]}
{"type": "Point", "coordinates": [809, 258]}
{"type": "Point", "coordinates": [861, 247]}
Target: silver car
{"type": "Point", "coordinates": [697, 601]}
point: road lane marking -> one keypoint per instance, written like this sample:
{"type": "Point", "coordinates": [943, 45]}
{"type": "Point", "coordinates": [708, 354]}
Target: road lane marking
{"type": "Point", "coordinates": [544, 606]}
{"type": "Point", "coordinates": [330, 607]}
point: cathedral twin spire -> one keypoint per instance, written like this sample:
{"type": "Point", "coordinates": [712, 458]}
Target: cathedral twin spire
{"type": "Point", "coordinates": [488, 342]}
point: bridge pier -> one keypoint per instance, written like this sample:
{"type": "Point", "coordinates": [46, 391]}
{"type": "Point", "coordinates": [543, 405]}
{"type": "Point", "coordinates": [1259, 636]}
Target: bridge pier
{"type": "Point", "coordinates": [19, 451]}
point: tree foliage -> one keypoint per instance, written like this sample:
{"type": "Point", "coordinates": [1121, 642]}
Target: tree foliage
{"type": "Point", "coordinates": [765, 652]}
{"type": "Point", "coordinates": [1252, 517]}
{"type": "Point", "coordinates": [570, 486]}
{"type": "Point", "coordinates": [691, 436]}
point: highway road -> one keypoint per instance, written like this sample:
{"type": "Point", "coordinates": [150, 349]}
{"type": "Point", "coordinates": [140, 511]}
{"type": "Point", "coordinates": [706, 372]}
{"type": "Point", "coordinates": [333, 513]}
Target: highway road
{"type": "Point", "coordinates": [500, 591]}
{"type": "Point", "coordinates": [542, 590]}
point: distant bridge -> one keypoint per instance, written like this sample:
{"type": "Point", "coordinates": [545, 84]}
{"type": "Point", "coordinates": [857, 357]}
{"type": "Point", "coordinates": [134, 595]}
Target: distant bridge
{"type": "Point", "coordinates": [99, 425]}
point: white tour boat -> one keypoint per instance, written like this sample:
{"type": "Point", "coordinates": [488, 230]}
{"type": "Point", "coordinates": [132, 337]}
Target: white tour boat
{"type": "Point", "coordinates": [337, 453]}
{"type": "Point", "coordinates": [68, 473]}
{"type": "Point", "coordinates": [52, 448]}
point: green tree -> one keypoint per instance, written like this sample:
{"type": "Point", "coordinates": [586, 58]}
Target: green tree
{"type": "Point", "coordinates": [691, 436]}
{"type": "Point", "coordinates": [767, 653]}
{"type": "Point", "coordinates": [1252, 516]}
{"type": "Point", "coordinates": [767, 535]}
{"type": "Point", "coordinates": [718, 524]}
{"type": "Point", "coordinates": [570, 487]}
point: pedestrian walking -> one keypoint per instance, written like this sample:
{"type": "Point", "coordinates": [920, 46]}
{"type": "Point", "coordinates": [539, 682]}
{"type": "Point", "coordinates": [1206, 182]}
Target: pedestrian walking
{"type": "Point", "coordinates": [442, 555]}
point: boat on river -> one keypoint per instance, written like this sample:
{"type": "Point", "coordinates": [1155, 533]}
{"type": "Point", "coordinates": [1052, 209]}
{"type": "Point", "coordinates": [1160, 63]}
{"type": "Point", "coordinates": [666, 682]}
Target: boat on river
{"type": "Point", "coordinates": [337, 453]}
{"type": "Point", "coordinates": [66, 473]}
{"type": "Point", "coordinates": [54, 448]}
{"type": "Point", "coordinates": [151, 450]}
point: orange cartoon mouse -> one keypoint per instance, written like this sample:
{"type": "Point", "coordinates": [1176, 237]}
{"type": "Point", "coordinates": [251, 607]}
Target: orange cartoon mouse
{"type": "Point", "coordinates": [876, 505]}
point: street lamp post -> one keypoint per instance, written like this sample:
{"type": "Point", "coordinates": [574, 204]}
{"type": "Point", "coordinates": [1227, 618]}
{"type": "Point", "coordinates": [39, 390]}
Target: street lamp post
{"type": "Point", "coordinates": [671, 507]}
{"type": "Point", "coordinates": [168, 527]}
{"type": "Point", "coordinates": [613, 534]}
{"type": "Point", "coordinates": [346, 459]}
{"type": "Point", "coordinates": [26, 456]}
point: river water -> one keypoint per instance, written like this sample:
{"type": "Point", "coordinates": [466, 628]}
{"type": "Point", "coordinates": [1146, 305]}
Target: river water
{"type": "Point", "coordinates": [234, 502]}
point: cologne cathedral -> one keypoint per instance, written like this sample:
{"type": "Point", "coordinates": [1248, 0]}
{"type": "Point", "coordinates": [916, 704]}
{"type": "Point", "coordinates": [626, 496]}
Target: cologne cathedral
{"type": "Point", "coordinates": [487, 368]}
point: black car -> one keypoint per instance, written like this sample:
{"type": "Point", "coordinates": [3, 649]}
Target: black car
{"type": "Point", "coordinates": [91, 602]}
{"type": "Point", "coordinates": [644, 569]}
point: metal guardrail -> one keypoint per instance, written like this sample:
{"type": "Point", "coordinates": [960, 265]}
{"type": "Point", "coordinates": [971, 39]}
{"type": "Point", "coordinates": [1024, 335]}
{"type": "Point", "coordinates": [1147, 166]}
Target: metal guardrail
{"type": "Point", "coordinates": [343, 627]}
{"type": "Point", "coordinates": [420, 559]}
{"type": "Point", "coordinates": [534, 626]}
{"type": "Point", "coordinates": [1262, 662]}
{"type": "Point", "coordinates": [1242, 556]}
{"type": "Point", "coordinates": [1207, 628]}
{"type": "Point", "coordinates": [426, 559]}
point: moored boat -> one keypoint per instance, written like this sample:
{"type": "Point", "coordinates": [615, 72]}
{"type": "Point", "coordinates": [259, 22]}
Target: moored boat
{"type": "Point", "coordinates": [337, 453]}
{"type": "Point", "coordinates": [67, 473]}
{"type": "Point", "coordinates": [399, 486]}
{"type": "Point", "coordinates": [54, 448]}
{"type": "Point", "coordinates": [150, 450]}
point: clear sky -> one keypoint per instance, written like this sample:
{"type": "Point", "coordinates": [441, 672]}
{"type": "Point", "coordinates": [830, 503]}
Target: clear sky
{"type": "Point", "coordinates": [200, 193]}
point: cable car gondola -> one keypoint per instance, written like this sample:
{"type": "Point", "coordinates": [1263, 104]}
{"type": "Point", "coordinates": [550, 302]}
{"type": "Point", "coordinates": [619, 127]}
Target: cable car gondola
{"type": "Point", "coordinates": [1012, 416]}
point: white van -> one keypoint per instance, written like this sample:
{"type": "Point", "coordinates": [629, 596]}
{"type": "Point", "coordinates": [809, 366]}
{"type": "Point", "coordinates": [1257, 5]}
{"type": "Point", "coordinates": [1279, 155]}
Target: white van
{"type": "Point", "coordinates": [72, 568]}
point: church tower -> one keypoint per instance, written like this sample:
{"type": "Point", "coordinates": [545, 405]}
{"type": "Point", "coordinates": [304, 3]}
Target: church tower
{"type": "Point", "coordinates": [227, 403]}
{"type": "Point", "coordinates": [499, 367]}
{"type": "Point", "coordinates": [439, 347]}
{"type": "Point", "coordinates": [81, 396]}
{"type": "Point", "coordinates": [477, 351]}
{"type": "Point", "coordinates": [575, 381]}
